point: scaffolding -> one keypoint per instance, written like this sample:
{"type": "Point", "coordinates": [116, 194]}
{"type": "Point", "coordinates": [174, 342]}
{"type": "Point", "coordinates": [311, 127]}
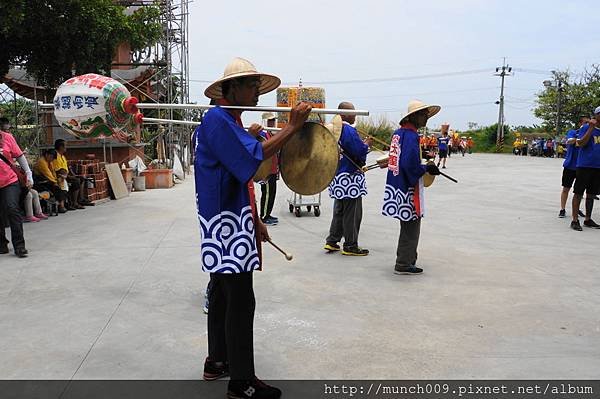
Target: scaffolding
{"type": "Point", "coordinates": [169, 60]}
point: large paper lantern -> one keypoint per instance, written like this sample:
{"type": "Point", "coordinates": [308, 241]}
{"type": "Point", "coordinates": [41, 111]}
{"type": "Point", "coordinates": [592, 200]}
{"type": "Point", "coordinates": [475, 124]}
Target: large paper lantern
{"type": "Point", "coordinates": [95, 106]}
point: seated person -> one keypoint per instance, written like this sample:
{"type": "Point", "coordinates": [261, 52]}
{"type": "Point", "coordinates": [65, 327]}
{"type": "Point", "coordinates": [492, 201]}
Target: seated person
{"type": "Point", "coordinates": [70, 187]}
{"type": "Point", "coordinates": [76, 185]}
{"type": "Point", "coordinates": [46, 179]}
{"type": "Point", "coordinates": [33, 208]}
{"type": "Point", "coordinates": [61, 176]}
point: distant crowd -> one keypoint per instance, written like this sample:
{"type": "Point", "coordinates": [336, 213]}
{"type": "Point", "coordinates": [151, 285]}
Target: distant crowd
{"type": "Point", "coordinates": [541, 147]}
{"type": "Point", "coordinates": [444, 145]}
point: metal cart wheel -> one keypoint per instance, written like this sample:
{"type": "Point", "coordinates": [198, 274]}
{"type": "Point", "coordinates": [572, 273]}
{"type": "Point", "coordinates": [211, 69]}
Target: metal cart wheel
{"type": "Point", "coordinates": [298, 213]}
{"type": "Point", "coordinates": [291, 208]}
{"type": "Point", "coordinates": [308, 208]}
{"type": "Point", "coordinates": [317, 211]}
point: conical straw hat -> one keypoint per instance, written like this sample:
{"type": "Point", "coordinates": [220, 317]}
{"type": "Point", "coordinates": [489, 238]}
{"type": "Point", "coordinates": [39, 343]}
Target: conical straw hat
{"type": "Point", "coordinates": [239, 68]}
{"type": "Point", "coordinates": [415, 106]}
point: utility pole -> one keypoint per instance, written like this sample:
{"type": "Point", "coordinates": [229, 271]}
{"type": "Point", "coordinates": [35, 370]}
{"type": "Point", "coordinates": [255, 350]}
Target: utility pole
{"type": "Point", "coordinates": [557, 83]}
{"type": "Point", "coordinates": [559, 90]}
{"type": "Point", "coordinates": [502, 71]}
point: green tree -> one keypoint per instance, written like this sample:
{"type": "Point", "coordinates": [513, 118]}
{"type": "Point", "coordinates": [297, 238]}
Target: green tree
{"type": "Point", "coordinates": [21, 115]}
{"type": "Point", "coordinates": [54, 38]}
{"type": "Point", "coordinates": [23, 112]}
{"type": "Point", "coordinates": [484, 138]}
{"type": "Point", "coordinates": [577, 97]}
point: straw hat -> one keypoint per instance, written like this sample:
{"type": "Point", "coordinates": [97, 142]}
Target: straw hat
{"type": "Point", "coordinates": [239, 68]}
{"type": "Point", "coordinates": [335, 126]}
{"type": "Point", "coordinates": [268, 116]}
{"type": "Point", "coordinates": [415, 106]}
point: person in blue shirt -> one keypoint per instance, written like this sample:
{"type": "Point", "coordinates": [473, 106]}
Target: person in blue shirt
{"type": "Point", "coordinates": [403, 197]}
{"type": "Point", "coordinates": [587, 178]}
{"type": "Point", "coordinates": [347, 189]}
{"type": "Point", "coordinates": [268, 188]}
{"type": "Point", "coordinates": [541, 145]}
{"type": "Point", "coordinates": [570, 167]}
{"type": "Point", "coordinates": [227, 157]}
{"type": "Point", "coordinates": [443, 147]}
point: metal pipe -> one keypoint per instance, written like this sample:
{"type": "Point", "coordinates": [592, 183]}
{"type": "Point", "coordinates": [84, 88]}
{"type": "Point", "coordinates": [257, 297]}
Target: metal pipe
{"type": "Point", "coordinates": [257, 109]}
{"type": "Point", "coordinates": [267, 128]}
{"type": "Point", "coordinates": [326, 111]}
{"type": "Point", "coordinates": [171, 121]}
{"type": "Point", "coordinates": [195, 123]}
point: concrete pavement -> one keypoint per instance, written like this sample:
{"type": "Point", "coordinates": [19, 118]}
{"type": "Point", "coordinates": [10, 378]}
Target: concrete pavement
{"type": "Point", "coordinates": [509, 291]}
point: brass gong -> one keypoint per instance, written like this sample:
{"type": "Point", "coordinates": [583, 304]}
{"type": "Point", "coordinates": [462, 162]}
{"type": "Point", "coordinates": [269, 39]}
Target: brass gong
{"type": "Point", "coordinates": [310, 159]}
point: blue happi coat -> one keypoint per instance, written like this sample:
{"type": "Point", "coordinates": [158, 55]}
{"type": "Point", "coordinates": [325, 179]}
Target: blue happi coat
{"type": "Point", "coordinates": [403, 197]}
{"type": "Point", "coordinates": [226, 159]}
{"type": "Point", "coordinates": [349, 182]}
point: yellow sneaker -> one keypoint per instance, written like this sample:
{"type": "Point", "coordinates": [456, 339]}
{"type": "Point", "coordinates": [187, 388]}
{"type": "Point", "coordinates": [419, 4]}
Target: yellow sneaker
{"type": "Point", "coordinates": [331, 247]}
{"type": "Point", "coordinates": [355, 251]}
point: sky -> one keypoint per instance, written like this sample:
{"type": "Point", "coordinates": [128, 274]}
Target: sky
{"type": "Point", "coordinates": [441, 52]}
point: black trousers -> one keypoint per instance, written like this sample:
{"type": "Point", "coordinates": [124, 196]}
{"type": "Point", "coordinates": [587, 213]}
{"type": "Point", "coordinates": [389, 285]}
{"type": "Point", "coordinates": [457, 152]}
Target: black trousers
{"type": "Point", "coordinates": [347, 215]}
{"type": "Point", "coordinates": [10, 215]}
{"type": "Point", "coordinates": [74, 183]}
{"type": "Point", "coordinates": [406, 253]}
{"type": "Point", "coordinates": [267, 198]}
{"type": "Point", "coordinates": [231, 323]}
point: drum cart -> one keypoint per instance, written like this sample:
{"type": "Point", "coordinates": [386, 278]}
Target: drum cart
{"type": "Point", "coordinates": [297, 201]}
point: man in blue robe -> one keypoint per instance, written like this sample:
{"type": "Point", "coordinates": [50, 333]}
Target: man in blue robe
{"type": "Point", "coordinates": [403, 198]}
{"type": "Point", "coordinates": [227, 157]}
{"type": "Point", "coordinates": [347, 189]}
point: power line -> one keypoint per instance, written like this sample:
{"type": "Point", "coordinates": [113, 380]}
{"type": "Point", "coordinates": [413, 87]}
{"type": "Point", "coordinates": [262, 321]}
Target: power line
{"type": "Point", "coordinates": [512, 88]}
{"type": "Point", "coordinates": [400, 78]}
{"type": "Point", "coordinates": [424, 93]}
{"type": "Point", "coordinates": [468, 105]}
{"type": "Point", "coordinates": [378, 80]}
{"type": "Point", "coordinates": [522, 100]}
{"type": "Point", "coordinates": [519, 108]}
{"type": "Point", "coordinates": [534, 71]}
{"type": "Point", "coordinates": [443, 107]}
